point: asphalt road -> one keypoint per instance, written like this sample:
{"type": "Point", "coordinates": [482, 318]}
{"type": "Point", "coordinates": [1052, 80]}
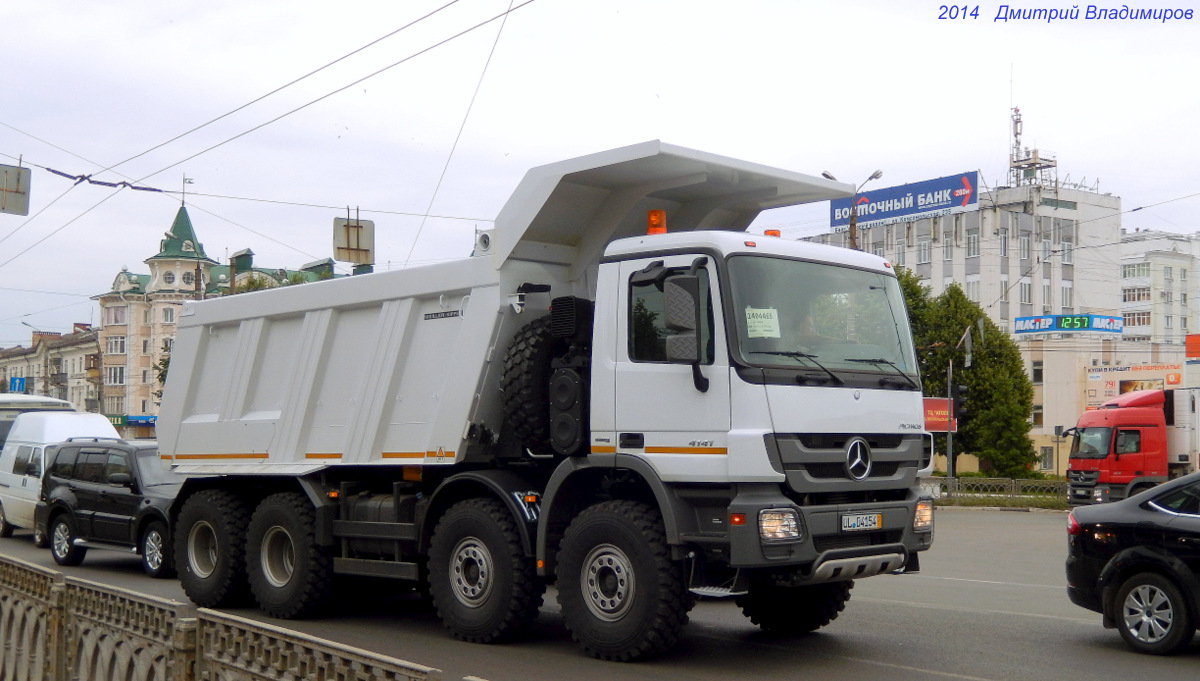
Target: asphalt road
{"type": "Point", "coordinates": [989, 604]}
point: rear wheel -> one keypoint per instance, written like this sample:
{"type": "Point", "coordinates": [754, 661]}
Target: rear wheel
{"type": "Point", "coordinates": [156, 552]}
{"type": "Point", "coordinates": [210, 549]}
{"type": "Point", "coordinates": [622, 597]}
{"type": "Point", "coordinates": [483, 585]}
{"type": "Point", "coordinates": [289, 573]}
{"type": "Point", "coordinates": [792, 610]}
{"type": "Point", "coordinates": [40, 538]}
{"type": "Point", "coordinates": [62, 541]}
{"type": "Point", "coordinates": [1152, 615]}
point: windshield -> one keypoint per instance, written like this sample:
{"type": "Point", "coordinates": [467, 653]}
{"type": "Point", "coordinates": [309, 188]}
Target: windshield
{"type": "Point", "coordinates": [837, 320]}
{"type": "Point", "coordinates": [1091, 443]}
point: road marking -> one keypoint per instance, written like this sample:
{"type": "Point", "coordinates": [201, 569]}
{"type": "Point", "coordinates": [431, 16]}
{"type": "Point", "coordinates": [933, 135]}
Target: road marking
{"type": "Point", "coordinates": [960, 608]}
{"type": "Point", "coordinates": [988, 581]}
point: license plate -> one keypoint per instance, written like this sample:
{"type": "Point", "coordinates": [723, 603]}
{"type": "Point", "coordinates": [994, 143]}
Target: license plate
{"type": "Point", "coordinates": [852, 522]}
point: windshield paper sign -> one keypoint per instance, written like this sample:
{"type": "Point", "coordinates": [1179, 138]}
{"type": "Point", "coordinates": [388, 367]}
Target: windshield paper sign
{"type": "Point", "coordinates": [762, 322]}
{"type": "Point", "coordinates": [943, 196]}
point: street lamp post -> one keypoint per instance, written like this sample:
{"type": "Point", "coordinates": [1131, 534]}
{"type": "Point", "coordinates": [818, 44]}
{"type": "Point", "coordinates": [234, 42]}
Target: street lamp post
{"type": "Point", "coordinates": [854, 204]}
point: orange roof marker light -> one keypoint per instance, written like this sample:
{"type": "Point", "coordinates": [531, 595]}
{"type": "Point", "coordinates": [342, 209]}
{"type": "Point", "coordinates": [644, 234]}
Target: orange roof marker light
{"type": "Point", "coordinates": [771, 232]}
{"type": "Point", "coordinates": [656, 222]}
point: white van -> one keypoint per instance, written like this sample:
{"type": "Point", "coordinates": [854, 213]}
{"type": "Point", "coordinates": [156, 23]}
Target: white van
{"type": "Point", "coordinates": [21, 461]}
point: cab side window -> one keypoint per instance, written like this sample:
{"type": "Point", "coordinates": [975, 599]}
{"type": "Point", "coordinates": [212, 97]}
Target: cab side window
{"type": "Point", "coordinates": [21, 460]}
{"type": "Point", "coordinates": [34, 468]}
{"type": "Point", "coordinates": [1128, 442]}
{"type": "Point", "coordinates": [647, 324]}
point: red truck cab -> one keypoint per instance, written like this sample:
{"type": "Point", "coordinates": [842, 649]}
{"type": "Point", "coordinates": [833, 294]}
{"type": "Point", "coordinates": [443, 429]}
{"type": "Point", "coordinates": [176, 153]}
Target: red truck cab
{"type": "Point", "coordinates": [1120, 448]}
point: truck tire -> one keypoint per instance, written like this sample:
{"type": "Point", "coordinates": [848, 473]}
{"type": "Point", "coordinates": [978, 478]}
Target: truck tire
{"type": "Point", "coordinates": [622, 597]}
{"type": "Point", "coordinates": [526, 384]}
{"type": "Point", "coordinates": [210, 549]}
{"type": "Point", "coordinates": [6, 528]}
{"type": "Point", "coordinates": [792, 610]}
{"type": "Point", "coordinates": [156, 552]}
{"type": "Point", "coordinates": [1152, 614]}
{"type": "Point", "coordinates": [289, 572]}
{"type": "Point", "coordinates": [484, 587]}
{"type": "Point", "coordinates": [62, 541]}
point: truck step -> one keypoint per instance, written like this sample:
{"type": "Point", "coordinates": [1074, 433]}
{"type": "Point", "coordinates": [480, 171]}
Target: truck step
{"type": "Point", "coordinates": [715, 591]}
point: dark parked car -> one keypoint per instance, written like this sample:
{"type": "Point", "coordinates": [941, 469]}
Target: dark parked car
{"type": "Point", "coordinates": [112, 494]}
{"type": "Point", "coordinates": [1137, 562]}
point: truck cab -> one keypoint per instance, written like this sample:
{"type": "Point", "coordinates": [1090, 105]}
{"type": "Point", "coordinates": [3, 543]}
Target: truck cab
{"type": "Point", "coordinates": [1121, 448]}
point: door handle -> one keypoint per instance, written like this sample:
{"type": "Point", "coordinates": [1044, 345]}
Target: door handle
{"type": "Point", "coordinates": [632, 441]}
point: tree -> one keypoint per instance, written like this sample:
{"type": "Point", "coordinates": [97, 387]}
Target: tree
{"type": "Point", "coordinates": [999, 393]}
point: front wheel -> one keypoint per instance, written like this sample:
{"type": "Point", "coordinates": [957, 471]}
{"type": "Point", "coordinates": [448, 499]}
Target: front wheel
{"type": "Point", "coordinates": [210, 549]}
{"type": "Point", "coordinates": [1152, 615]}
{"type": "Point", "coordinates": [62, 542]}
{"type": "Point", "coordinates": [622, 597]}
{"type": "Point", "coordinates": [289, 573]}
{"type": "Point", "coordinates": [156, 552]}
{"type": "Point", "coordinates": [483, 585]}
{"type": "Point", "coordinates": [792, 610]}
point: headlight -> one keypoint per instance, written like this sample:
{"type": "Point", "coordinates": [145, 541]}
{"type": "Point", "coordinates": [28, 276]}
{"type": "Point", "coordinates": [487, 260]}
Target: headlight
{"type": "Point", "coordinates": [923, 517]}
{"type": "Point", "coordinates": [778, 524]}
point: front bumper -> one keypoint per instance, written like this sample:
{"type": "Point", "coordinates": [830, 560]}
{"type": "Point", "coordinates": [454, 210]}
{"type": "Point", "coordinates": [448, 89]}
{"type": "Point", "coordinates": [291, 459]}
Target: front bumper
{"type": "Point", "coordinates": [825, 551]}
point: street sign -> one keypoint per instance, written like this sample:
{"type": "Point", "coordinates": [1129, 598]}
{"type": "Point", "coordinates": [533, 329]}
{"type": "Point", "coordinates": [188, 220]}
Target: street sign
{"type": "Point", "coordinates": [354, 241]}
{"type": "Point", "coordinates": [14, 190]}
{"type": "Point", "coordinates": [16, 384]}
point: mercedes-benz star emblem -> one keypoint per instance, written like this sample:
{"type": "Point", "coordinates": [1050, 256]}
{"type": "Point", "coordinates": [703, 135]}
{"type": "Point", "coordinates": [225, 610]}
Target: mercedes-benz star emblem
{"type": "Point", "coordinates": [858, 459]}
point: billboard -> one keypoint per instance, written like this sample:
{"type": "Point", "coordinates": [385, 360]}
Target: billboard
{"type": "Point", "coordinates": [937, 415]}
{"type": "Point", "coordinates": [1067, 323]}
{"type": "Point", "coordinates": [1106, 382]}
{"type": "Point", "coordinates": [943, 196]}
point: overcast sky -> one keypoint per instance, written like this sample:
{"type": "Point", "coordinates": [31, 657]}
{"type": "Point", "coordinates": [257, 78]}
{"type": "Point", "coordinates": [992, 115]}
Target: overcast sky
{"type": "Point", "coordinates": [846, 87]}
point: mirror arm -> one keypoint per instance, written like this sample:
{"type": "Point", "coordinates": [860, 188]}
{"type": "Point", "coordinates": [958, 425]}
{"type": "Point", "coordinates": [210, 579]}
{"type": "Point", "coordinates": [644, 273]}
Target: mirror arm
{"type": "Point", "coordinates": [699, 379]}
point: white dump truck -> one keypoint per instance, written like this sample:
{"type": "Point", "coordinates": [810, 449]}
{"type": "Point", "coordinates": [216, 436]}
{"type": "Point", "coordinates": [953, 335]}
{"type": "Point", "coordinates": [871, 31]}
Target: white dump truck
{"type": "Point", "coordinates": [634, 415]}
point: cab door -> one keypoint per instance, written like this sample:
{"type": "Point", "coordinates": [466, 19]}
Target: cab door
{"type": "Point", "coordinates": [663, 412]}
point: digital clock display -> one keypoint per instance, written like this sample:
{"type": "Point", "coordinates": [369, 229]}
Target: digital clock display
{"type": "Point", "coordinates": [1073, 322]}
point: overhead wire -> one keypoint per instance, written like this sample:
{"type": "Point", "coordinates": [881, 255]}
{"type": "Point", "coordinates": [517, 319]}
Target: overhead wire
{"type": "Point", "coordinates": [326, 96]}
{"type": "Point", "coordinates": [462, 126]}
{"type": "Point", "coordinates": [339, 90]}
{"type": "Point", "coordinates": [282, 87]}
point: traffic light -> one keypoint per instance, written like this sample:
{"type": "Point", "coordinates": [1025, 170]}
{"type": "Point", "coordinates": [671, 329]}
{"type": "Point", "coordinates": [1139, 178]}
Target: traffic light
{"type": "Point", "coordinates": [960, 402]}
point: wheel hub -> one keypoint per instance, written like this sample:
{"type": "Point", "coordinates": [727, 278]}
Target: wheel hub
{"type": "Point", "coordinates": [278, 556]}
{"type": "Point", "coordinates": [608, 582]}
{"type": "Point", "coordinates": [471, 572]}
{"type": "Point", "coordinates": [1148, 614]}
{"type": "Point", "coordinates": [154, 550]}
{"type": "Point", "coordinates": [202, 550]}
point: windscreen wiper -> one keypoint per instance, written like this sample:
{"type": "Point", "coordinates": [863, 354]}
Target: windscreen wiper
{"type": "Point", "coordinates": [794, 354]}
{"type": "Point", "coordinates": [890, 363]}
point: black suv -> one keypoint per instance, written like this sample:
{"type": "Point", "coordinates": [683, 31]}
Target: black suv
{"type": "Point", "coordinates": [1137, 562]}
{"type": "Point", "coordinates": [111, 494]}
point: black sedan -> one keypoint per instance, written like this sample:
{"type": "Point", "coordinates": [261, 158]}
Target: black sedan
{"type": "Point", "coordinates": [1137, 562]}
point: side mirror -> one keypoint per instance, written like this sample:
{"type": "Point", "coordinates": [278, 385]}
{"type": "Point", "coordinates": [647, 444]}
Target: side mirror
{"type": "Point", "coordinates": [681, 311]}
{"type": "Point", "coordinates": [122, 479]}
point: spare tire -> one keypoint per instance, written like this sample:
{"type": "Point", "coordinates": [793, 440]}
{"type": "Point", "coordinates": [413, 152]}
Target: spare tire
{"type": "Point", "coordinates": [526, 384]}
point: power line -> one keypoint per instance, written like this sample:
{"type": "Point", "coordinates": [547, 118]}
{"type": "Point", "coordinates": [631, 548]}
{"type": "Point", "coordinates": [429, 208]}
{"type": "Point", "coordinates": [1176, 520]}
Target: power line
{"type": "Point", "coordinates": [339, 90]}
{"type": "Point", "coordinates": [279, 89]}
{"type": "Point", "coordinates": [458, 136]}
